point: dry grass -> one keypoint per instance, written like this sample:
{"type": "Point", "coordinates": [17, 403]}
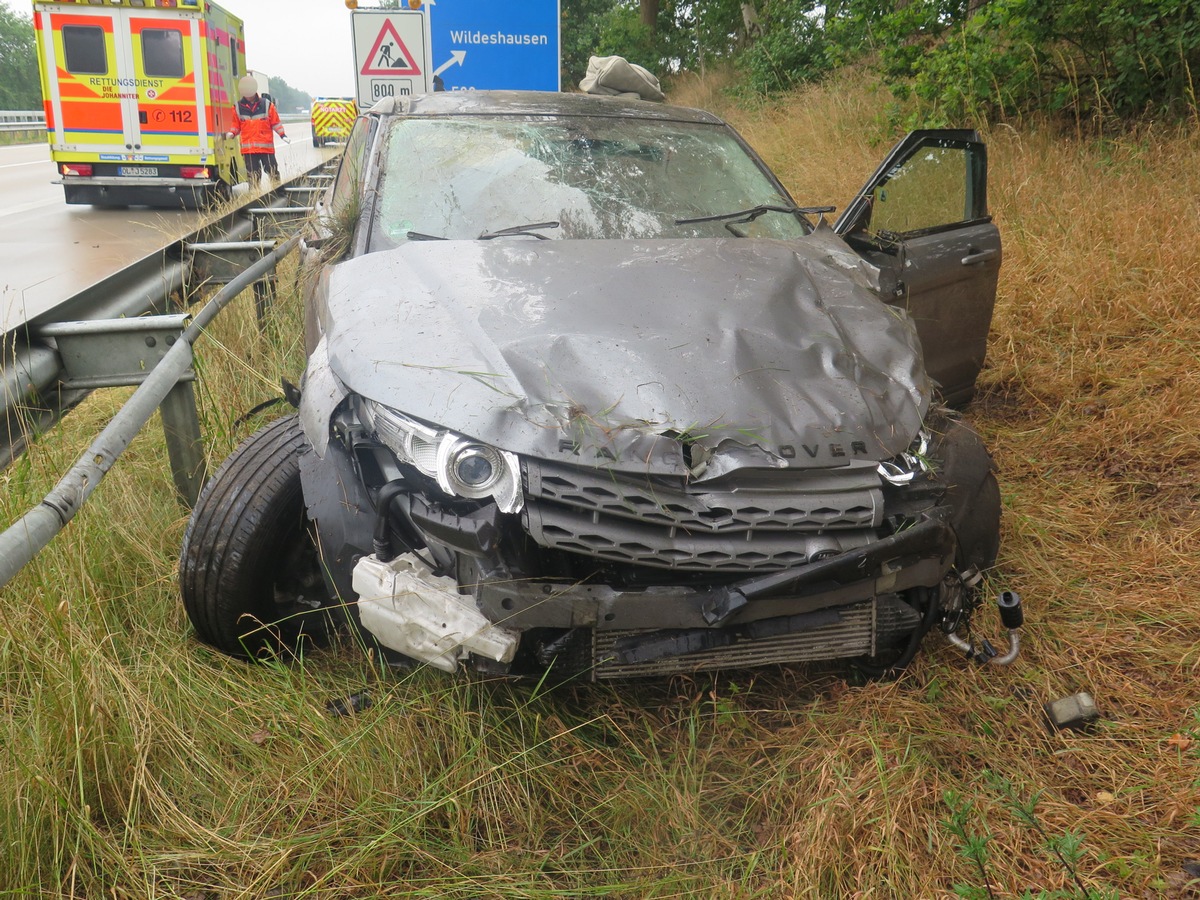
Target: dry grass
{"type": "Point", "coordinates": [138, 764]}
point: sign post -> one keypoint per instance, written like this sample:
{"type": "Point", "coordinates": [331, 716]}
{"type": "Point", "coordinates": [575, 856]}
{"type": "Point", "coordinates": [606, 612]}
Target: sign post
{"type": "Point", "coordinates": [391, 54]}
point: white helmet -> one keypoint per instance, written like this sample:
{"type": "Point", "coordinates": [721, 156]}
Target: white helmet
{"type": "Point", "coordinates": [248, 86]}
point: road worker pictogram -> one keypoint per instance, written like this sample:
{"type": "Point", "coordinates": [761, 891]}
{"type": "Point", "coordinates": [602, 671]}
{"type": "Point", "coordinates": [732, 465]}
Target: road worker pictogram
{"type": "Point", "coordinates": [389, 55]}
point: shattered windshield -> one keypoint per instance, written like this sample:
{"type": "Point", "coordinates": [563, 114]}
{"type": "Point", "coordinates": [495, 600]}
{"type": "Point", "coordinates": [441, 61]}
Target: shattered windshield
{"type": "Point", "coordinates": [463, 177]}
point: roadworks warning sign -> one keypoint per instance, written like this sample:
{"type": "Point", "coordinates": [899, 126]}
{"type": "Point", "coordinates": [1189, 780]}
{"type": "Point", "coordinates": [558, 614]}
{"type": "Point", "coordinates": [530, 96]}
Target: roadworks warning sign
{"type": "Point", "coordinates": [391, 54]}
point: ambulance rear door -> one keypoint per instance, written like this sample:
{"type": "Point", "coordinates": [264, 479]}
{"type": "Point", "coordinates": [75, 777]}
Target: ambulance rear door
{"type": "Point", "coordinates": [84, 52]}
{"type": "Point", "coordinates": [166, 53]}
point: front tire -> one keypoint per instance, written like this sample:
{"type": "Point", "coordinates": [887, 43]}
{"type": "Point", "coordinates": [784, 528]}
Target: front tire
{"type": "Point", "coordinates": [967, 470]}
{"type": "Point", "coordinates": [249, 570]}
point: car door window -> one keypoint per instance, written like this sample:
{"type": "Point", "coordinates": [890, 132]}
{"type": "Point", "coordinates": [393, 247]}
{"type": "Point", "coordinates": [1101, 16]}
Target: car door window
{"type": "Point", "coordinates": [348, 185]}
{"type": "Point", "coordinates": [928, 191]}
{"type": "Point", "coordinates": [931, 181]}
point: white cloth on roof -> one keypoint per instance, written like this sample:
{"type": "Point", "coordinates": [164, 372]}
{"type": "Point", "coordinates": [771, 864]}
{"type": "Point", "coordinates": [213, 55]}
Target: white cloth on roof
{"type": "Point", "coordinates": [615, 76]}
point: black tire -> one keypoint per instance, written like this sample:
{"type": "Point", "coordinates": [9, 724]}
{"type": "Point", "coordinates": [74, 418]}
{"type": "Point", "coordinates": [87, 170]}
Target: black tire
{"type": "Point", "coordinates": [966, 468]}
{"type": "Point", "coordinates": [249, 571]}
{"type": "Point", "coordinates": [318, 142]}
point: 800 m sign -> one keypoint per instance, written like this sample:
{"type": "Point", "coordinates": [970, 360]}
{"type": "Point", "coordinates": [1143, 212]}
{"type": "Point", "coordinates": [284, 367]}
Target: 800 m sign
{"type": "Point", "coordinates": [391, 54]}
{"type": "Point", "coordinates": [394, 88]}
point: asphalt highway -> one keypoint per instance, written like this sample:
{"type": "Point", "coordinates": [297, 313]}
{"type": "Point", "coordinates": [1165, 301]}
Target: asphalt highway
{"type": "Point", "coordinates": [50, 251]}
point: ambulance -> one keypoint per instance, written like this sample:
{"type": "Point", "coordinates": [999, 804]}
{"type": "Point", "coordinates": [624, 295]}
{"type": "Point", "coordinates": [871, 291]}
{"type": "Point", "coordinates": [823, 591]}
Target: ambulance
{"type": "Point", "coordinates": [139, 95]}
{"type": "Point", "coordinates": [332, 119]}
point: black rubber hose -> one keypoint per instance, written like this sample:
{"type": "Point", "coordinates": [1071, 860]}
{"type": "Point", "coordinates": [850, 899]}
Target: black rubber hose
{"type": "Point", "coordinates": [382, 539]}
{"type": "Point", "coordinates": [928, 620]}
{"type": "Point", "coordinates": [1010, 610]}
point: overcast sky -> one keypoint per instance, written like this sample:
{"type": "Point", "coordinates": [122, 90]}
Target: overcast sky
{"type": "Point", "coordinates": [307, 43]}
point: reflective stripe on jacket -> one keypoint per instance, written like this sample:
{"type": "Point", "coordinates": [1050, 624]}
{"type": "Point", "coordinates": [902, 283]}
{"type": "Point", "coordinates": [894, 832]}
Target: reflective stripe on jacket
{"type": "Point", "coordinates": [254, 120]}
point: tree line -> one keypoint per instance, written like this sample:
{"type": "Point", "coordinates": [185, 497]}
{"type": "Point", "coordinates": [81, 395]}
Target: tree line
{"type": "Point", "coordinates": [1098, 62]}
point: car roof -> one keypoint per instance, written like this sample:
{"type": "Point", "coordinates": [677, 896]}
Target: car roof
{"type": "Point", "coordinates": [536, 103]}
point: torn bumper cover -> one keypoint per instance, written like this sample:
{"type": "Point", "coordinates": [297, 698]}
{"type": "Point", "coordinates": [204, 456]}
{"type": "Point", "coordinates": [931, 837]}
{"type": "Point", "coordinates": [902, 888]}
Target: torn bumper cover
{"type": "Point", "coordinates": [920, 555]}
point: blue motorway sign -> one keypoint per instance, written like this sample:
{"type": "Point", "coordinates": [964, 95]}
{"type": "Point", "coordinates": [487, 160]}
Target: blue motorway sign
{"type": "Point", "coordinates": [480, 45]}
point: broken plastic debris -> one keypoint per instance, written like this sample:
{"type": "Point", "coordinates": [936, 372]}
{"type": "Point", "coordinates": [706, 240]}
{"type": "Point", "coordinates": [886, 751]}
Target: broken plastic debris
{"type": "Point", "coordinates": [1075, 712]}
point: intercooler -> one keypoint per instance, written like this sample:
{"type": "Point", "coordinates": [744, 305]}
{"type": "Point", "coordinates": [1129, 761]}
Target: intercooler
{"type": "Point", "coordinates": [861, 629]}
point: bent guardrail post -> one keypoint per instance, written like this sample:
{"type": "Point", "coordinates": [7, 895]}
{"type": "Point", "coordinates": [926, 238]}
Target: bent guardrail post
{"type": "Point", "coordinates": [272, 223]}
{"type": "Point", "coordinates": [23, 540]}
{"type": "Point", "coordinates": [100, 353]}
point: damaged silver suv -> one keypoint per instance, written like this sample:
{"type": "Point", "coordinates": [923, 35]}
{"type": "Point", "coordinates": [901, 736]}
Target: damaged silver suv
{"type": "Point", "coordinates": [587, 389]}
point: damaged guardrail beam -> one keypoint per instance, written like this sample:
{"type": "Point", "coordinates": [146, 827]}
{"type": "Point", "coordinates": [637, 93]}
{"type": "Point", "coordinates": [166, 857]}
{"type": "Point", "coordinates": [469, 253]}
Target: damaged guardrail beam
{"type": "Point", "coordinates": [32, 396]}
{"type": "Point", "coordinates": [23, 540]}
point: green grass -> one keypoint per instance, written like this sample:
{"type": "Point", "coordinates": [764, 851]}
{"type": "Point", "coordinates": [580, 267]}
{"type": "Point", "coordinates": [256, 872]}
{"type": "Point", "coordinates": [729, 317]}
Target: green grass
{"type": "Point", "coordinates": [137, 763]}
{"type": "Point", "coordinates": [33, 136]}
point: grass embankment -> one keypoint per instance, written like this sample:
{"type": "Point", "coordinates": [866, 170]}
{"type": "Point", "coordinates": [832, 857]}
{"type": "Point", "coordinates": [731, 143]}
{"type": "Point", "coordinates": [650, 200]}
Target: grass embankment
{"type": "Point", "coordinates": [136, 763]}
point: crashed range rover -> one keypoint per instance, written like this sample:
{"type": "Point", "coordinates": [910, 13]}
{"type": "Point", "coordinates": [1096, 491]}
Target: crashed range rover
{"type": "Point", "coordinates": [587, 389]}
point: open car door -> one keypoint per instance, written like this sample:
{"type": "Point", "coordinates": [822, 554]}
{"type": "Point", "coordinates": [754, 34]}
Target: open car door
{"type": "Point", "coordinates": [923, 219]}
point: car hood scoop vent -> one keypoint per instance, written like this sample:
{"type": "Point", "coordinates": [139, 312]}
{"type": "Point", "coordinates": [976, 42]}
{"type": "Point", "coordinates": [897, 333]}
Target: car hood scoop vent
{"type": "Point", "coordinates": [593, 351]}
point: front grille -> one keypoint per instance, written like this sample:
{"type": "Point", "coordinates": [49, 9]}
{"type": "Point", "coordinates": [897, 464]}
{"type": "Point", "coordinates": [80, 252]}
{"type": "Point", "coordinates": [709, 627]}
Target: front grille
{"type": "Point", "coordinates": [859, 630]}
{"type": "Point", "coordinates": [765, 520]}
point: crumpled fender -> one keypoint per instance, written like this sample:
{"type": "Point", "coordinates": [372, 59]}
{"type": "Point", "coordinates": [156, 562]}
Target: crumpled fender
{"type": "Point", "coordinates": [321, 392]}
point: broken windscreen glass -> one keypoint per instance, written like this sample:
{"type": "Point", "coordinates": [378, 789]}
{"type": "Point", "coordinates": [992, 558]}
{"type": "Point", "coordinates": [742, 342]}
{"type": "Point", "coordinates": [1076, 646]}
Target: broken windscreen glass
{"type": "Point", "coordinates": [607, 178]}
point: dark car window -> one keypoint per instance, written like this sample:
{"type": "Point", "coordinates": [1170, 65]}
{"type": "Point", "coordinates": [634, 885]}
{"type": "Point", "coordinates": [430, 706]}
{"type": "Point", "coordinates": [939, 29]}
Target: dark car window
{"type": "Point", "coordinates": [84, 48]}
{"type": "Point", "coordinates": [162, 52]}
{"type": "Point", "coordinates": [457, 177]}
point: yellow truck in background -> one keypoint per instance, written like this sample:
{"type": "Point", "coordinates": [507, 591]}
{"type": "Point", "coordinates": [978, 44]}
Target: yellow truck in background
{"type": "Point", "coordinates": [139, 95]}
{"type": "Point", "coordinates": [332, 119]}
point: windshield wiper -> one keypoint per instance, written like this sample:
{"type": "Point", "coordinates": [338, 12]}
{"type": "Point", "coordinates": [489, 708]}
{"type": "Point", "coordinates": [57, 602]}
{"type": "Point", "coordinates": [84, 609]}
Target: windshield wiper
{"type": "Point", "coordinates": [742, 216]}
{"type": "Point", "coordinates": [418, 236]}
{"type": "Point", "coordinates": [531, 230]}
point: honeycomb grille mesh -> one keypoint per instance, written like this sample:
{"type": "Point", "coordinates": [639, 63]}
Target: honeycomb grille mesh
{"type": "Point", "coordinates": [780, 519]}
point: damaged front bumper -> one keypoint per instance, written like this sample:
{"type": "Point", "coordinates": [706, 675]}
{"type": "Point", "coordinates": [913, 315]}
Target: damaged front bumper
{"type": "Point", "coordinates": [830, 609]}
{"type": "Point", "coordinates": [918, 556]}
{"type": "Point", "coordinates": [489, 592]}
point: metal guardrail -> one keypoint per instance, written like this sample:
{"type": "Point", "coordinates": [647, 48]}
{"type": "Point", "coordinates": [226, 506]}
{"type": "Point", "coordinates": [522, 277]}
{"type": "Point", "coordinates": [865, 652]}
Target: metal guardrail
{"type": "Point", "coordinates": [25, 116]}
{"type": "Point", "coordinates": [21, 542]}
{"type": "Point", "coordinates": [101, 337]}
{"type": "Point", "coordinates": [22, 120]}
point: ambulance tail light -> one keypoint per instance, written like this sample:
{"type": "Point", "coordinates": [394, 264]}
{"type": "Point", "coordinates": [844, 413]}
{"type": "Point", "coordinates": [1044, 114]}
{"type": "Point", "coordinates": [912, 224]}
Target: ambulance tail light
{"type": "Point", "coordinates": [78, 169]}
{"type": "Point", "coordinates": [193, 172]}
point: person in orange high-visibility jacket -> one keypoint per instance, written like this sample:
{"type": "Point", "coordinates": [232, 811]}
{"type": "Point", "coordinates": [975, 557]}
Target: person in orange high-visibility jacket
{"type": "Point", "coordinates": [254, 118]}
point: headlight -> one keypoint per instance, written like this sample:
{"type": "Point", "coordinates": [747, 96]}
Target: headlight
{"type": "Point", "coordinates": [462, 467]}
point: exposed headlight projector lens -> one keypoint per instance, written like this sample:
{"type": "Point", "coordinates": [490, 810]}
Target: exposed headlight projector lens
{"type": "Point", "coordinates": [462, 467]}
{"type": "Point", "coordinates": [475, 467]}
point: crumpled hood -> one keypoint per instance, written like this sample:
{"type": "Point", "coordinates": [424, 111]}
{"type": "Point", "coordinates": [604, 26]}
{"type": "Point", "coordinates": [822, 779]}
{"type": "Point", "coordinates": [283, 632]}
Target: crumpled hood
{"type": "Point", "coordinates": [591, 351]}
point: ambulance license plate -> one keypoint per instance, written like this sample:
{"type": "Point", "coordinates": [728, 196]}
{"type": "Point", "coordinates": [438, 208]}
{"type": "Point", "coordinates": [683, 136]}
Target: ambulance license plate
{"type": "Point", "coordinates": [140, 171]}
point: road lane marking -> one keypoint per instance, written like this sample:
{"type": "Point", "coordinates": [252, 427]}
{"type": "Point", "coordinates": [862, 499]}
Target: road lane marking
{"type": "Point", "coordinates": [26, 207]}
{"type": "Point", "coordinates": [36, 162]}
